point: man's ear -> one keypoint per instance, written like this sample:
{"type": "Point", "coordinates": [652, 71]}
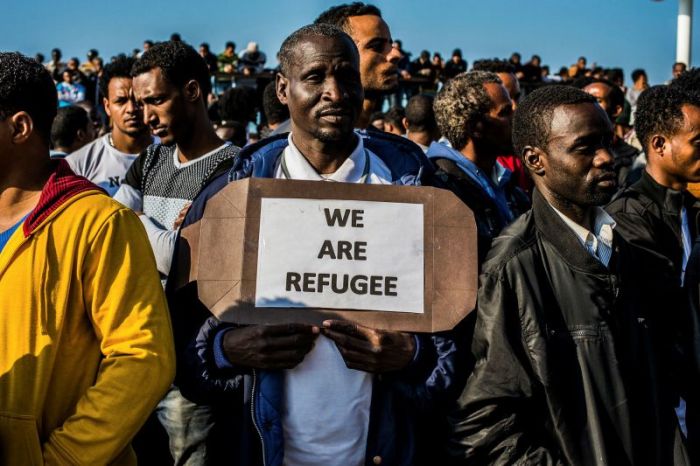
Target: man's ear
{"type": "Point", "coordinates": [192, 90]}
{"type": "Point", "coordinates": [659, 144]}
{"type": "Point", "coordinates": [22, 127]}
{"type": "Point", "coordinates": [533, 160]}
{"type": "Point", "coordinates": [105, 104]}
{"type": "Point", "coordinates": [404, 122]}
{"type": "Point", "coordinates": [281, 86]}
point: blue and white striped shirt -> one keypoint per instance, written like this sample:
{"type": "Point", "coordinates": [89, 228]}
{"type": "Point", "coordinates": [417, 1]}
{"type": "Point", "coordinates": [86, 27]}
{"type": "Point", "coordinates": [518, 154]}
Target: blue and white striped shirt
{"type": "Point", "coordinates": [598, 243]}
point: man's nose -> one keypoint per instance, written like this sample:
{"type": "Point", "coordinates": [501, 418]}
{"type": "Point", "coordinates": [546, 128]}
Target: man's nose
{"type": "Point", "coordinates": [604, 157]}
{"type": "Point", "coordinates": [334, 90]}
{"type": "Point", "coordinates": [394, 55]}
{"type": "Point", "coordinates": [148, 115]}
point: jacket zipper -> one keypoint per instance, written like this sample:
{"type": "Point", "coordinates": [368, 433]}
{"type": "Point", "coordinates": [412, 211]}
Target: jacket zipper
{"type": "Point", "coordinates": [252, 415]}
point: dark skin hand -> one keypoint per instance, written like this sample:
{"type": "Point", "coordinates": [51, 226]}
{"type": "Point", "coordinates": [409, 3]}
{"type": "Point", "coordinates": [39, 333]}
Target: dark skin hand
{"type": "Point", "coordinates": [181, 216]}
{"type": "Point", "coordinates": [370, 350]}
{"type": "Point", "coordinates": [269, 346]}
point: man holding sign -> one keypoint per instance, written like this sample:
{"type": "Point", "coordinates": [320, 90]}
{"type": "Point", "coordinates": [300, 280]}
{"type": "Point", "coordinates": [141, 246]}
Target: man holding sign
{"type": "Point", "coordinates": [341, 393]}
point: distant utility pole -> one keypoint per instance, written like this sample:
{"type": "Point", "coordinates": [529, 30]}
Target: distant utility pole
{"type": "Point", "coordinates": [685, 31]}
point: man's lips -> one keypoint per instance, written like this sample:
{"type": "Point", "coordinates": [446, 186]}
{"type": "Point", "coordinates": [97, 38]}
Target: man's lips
{"type": "Point", "coordinates": [607, 180]}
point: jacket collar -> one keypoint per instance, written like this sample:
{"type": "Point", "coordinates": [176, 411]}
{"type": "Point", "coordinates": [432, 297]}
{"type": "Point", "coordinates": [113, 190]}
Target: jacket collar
{"type": "Point", "coordinates": [61, 186]}
{"type": "Point", "coordinates": [669, 199]}
{"type": "Point", "coordinates": [485, 180]}
{"type": "Point", "coordinates": [552, 227]}
{"type": "Point", "coordinates": [406, 161]}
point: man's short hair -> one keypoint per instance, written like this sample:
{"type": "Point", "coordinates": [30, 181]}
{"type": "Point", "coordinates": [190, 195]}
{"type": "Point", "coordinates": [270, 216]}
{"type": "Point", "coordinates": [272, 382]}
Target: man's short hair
{"type": "Point", "coordinates": [275, 111]}
{"type": "Point", "coordinates": [493, 65]}
{"type": "Point", "coordinates": [230, 44]}
{"type": "Point", "coordinates": [238, 104]}
{"type": "Point", "coordinates": [68, 122]}
{"type": "Point", "coordinates": [461, 103]}
{"type": "Point", "coordinates": [290, 45]}
{"type": "Point", "coordinates": [26, 85]}
{"type": "Point", "coordinates": [659, 111]}
{"type": "Point", "coordinates": [179, 63]}
{"type": "Point", "coordinates": [120, 67]}
{"type": "Point", "coordinates": [420, 114]}
{"type": "Point", "coordinates": [338, 15]}
{"type": "Point", "coordinates": [688, 81]}
{"type": "Point", "coordinates": [395, 116]}
{"type": "Point", "coordinates": [532, 120]}
{"type": "Point", "coordinates": [638, 73]}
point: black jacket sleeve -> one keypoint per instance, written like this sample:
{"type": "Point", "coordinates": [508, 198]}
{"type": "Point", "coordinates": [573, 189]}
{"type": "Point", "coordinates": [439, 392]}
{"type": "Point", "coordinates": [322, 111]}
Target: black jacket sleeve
{"type": "Point", "coordinates": [497, 420]}
{"type": "Point", "coordinates": [691, 392]}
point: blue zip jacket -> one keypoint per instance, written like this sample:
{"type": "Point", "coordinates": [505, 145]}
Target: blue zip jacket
{"type": "Point", "coordinates": [407, 409]}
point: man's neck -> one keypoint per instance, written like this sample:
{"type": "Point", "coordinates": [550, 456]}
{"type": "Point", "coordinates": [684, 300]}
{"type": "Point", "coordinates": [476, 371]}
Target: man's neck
{"type": "Point", "coordinates": [20, 188]}
{"type": "Point", "coordinates": [128, 144]}
{"type": "Point", "coordinates": [64, 149]}
{"type": "Point", "coordinates": [369, 106]}
{"type": "Point", "coordinates": [202, 140]}
{"type": "Point", "coordinates": [485, 162]}
{"type": "Point", "coordinates": [326, 158]}
{"type": "Point", "coordinates": [582, 215]}
{"type": "Point", "coordinates": [420, 137]}
{"type": "Point", "coordinates": [664, 179]}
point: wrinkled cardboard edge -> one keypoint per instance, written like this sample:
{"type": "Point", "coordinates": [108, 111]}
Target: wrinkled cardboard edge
{"type": "Point", "coordinates": [233, 300]}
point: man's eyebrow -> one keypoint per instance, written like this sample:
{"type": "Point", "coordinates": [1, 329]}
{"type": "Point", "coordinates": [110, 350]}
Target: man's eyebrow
{"type": "Point", "coordinates": [592, 137]}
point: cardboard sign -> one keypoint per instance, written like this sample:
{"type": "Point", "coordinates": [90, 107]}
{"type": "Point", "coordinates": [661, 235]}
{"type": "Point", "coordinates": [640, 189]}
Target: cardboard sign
{"type": "Point", "coordinates": [331, 254]}
{"type": "Point", "coordinates": [270, 251]}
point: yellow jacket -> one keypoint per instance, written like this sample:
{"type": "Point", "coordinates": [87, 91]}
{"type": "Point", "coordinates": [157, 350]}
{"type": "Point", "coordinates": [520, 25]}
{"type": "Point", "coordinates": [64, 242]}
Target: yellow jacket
{"type": "Point", "coordinates": [86, 346]}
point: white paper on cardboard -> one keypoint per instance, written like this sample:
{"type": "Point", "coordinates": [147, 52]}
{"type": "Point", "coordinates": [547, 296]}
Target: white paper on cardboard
{"type": "Point", "coordinates": [340, 254]}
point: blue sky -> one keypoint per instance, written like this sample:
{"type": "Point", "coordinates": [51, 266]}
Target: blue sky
{"type": "Point", "coordinates": [626, 33]}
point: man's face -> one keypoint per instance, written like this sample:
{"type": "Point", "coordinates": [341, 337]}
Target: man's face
{"type": "Point", "coordinates": [512, 85]}
{"type": "Point", "coordinates": [578, 163]}
{"type": "Point", "coordinates": [122, 108]}
{"type": "Point", "coordinates": [322, 90]}
{"type": "Point", "coordinates": [601, 92]}
{"type": "Point", "coordinates": [496, 125]}
{"type": "Point", "coordinates": [164, 109]}
{"type": "Point", "coordinates": [581, 63]}
{"type": "Point", "coordinates": [378, 58]}
{"type": "Point", "coordinates": [684, 161]}
{"type": "Point", "coordinates": [678, 70]}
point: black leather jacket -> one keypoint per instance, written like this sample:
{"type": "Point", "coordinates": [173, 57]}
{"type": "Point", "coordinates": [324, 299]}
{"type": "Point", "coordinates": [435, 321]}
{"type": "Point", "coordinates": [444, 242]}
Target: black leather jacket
{"type": "Point", "coordinates": [565, 372]}
{"type": "Point", "coordinates": [648, 216]}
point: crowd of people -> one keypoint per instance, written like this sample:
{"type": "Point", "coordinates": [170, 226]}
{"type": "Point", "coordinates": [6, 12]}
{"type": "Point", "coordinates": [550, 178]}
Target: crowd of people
{"type": "Point", "coordinates": [583, 347]}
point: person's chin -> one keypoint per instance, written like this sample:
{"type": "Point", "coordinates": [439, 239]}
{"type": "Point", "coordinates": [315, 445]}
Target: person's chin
{"type": "Point", "coordinates": [334, 135]}
{"type": "Point", "coordinates": [603, 194]}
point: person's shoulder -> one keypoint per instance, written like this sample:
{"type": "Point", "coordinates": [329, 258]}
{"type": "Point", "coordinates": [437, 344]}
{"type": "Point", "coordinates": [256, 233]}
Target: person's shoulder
{"type": "Point", "coordinates": [631, 200]}
{"type": "Point", "coordinates": [514, 241]}
{"type": "Point", "coordinates": [90, 149]}
{"type": "Point", "coordinates": [95, 209]}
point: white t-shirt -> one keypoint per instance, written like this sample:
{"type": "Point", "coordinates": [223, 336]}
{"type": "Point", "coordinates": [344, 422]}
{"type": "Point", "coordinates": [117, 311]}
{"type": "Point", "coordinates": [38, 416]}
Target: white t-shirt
{"type": "Point", "coordinates": [101, 163]}
{"type": "Point", "coordinates": [326, 414]}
